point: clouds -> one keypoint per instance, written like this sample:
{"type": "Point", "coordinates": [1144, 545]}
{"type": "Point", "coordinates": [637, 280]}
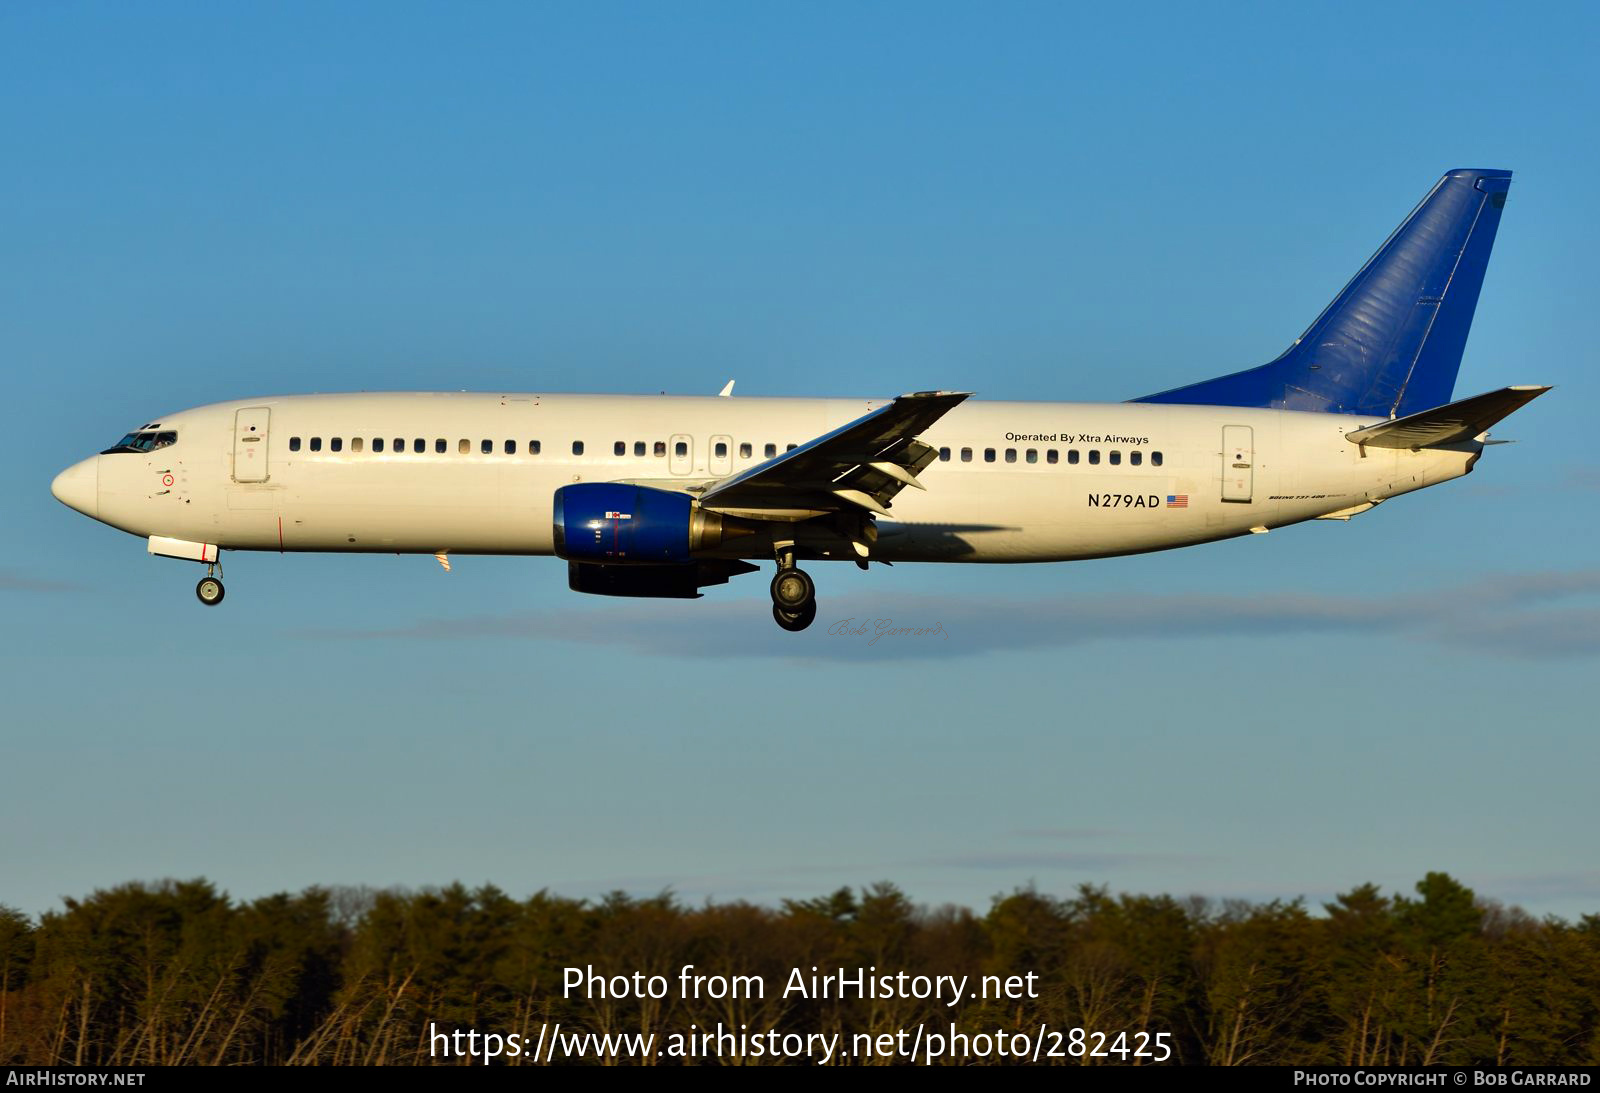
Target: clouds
{"type": "Point", "coordinates": [1539, 888]}
{"type": "Point", "coordinates": [16, 582]}
{"type": "Point", "coordinates": [999, 854]}
{"type": "Point", "coordinates": [1584, 478]}
{"type": "Point", "coordinates": [1528, 616]}
{"type": "Point", "coordinates": [1081, 861]}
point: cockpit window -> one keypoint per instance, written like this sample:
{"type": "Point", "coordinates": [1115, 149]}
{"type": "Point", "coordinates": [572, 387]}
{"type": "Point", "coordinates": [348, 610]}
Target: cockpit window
{"type": "Point", "coordinates": [145, 440]}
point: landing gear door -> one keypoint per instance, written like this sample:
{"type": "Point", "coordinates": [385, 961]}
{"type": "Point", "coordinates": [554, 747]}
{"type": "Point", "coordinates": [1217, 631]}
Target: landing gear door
{"type": "Point", "coordinates": [1238, 463]}
{"type": "Point", "coordinates": [250, 444]}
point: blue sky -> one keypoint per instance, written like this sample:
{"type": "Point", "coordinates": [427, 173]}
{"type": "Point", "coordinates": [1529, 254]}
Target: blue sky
{"type": "Point", "coordinates": [1044, 202]}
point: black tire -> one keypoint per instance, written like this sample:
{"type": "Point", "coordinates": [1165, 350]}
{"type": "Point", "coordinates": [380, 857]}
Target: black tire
{"type": "Point", "coordinates": [792, 590]}
{"type": "Point", "coordinates": [210, 591]}
{"type": "Point", "coordinates": [795, 621]}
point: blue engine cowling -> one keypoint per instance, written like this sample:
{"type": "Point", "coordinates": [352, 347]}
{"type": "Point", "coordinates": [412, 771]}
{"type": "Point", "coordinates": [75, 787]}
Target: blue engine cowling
{"type": "Point", "coordinates": [617, 523]}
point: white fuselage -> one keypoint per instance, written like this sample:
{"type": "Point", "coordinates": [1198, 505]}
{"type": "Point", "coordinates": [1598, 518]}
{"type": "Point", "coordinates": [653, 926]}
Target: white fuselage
{"type": "Point", "coordinates": [1022, 482]}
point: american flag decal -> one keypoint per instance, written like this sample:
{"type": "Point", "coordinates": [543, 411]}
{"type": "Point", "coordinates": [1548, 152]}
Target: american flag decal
{"type": "Point", "coordinates": [1177, 500]}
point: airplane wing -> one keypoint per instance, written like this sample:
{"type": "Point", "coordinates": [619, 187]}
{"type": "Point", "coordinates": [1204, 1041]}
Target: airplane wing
{"type": "Point", "coordinates": [1449, 424]}
{"type": "Point", "coordinates": [860, 466]}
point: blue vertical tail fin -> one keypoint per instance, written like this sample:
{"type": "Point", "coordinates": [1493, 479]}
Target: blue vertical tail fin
{"type": "Point", "coordinates": [1390, 344]}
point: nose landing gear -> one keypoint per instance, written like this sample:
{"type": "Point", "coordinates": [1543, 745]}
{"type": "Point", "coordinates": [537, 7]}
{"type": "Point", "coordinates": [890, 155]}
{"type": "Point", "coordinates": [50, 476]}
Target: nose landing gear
{"type": "Point", "coordinates": [210, 590]}
{"type": "Point", "coordinates": [794, 595]}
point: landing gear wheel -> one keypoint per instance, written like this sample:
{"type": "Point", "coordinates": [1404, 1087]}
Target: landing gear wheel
{"type": "Point", "coordinates": [793, 590]}
{"type": "Point", "coordinates": [795, 620]}
{"type": "Point", "coordinates": [210, 591]}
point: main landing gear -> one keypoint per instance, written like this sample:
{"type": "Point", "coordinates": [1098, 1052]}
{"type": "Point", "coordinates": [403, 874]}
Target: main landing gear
{"type": "Point", "coordinates": [210, 588]}
{"type": "Point", "coordinates": [794, 595]}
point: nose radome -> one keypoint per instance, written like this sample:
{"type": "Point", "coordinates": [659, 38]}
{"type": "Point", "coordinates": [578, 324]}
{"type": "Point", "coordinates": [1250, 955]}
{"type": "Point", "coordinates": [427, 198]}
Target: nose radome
{"type": "Point", "coordinates": [78, 487]}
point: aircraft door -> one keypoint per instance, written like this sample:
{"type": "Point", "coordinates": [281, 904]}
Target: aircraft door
{"type": "Point", "coordinates": [1238, 463]}
{"type": "Point", "coordinates": [250, 444]}
{"type": "Point", "coordinates": [721, 461]}
{"type": "Point", "coordinates": [680, 459]}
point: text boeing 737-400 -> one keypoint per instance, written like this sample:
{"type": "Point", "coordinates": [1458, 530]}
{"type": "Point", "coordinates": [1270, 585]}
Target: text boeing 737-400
{"type": "Point", "coordinates": [661, 496]}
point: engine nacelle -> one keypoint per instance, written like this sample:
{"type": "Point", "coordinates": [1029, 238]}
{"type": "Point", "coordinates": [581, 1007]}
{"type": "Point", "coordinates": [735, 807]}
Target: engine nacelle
{"type": "Point", "coordinates": [674, 582]}
{"type": "Point", "coordinates": [621, 524]}
{"type": "Point", "coordinates": [666, 582]}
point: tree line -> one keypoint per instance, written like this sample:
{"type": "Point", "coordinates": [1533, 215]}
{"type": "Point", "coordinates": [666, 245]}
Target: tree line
{"type": "Point", "coordinates": [179, 973]}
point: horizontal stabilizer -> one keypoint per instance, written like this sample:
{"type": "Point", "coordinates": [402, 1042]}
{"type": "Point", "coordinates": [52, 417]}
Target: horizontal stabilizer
{"type": "Point", "coordinates": [1449, 424]}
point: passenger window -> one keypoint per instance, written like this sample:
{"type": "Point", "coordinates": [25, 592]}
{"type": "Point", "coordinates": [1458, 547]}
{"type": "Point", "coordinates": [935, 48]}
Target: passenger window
{"type": "Point", "coordinates": [1011, 455]}
{"type": "Point", "coordinates": [439, 446]}
{"type": "Point", "coordinates": [336, 444]}
{"type": "Point", "coordinates": [770, 450]}
{"type": "Point", "coordinates": [511, 447]}
{"type": "Point", "coordinates": [791, 447]}
{"type": "Point", "coordinates": [1033, 455]}
{"type": "Point", "coordinates": [680, 448]}
{"type": "Point", "coordinates": [944, 455]}
{"type": "Point", "coordinates": [357, 445]}
{"type": "Point", "coordinates": [988, 455]}
{"type": "Point", "coordinates": [619, 448]}
{"type": "Point", "coordinates": [744, 451]}
{"type": "Point", "coordinates": [464, 447]}
{"type": "Point", "coordinates": [1116, 459]}
{"type": "Point", "coordinates": [1094, 456]}
{"type": "Point", "coordinates": [294, 444]}
{"type": "Point", "coordinates": [533, 447]}
{"type": "Point", "coordinates": [1072, 455]}
{"type": "Point", "coordinates": [1051, 456]}
{"type": "Point", "coordinates": [577, 447]}
{"type": "Point", "coordinates": [660, 449]}
{"type": "Point", "coordinates": [486, 447]}
{"type": "Point", "coordinates": [377, 443]}
{"type": "Point", "coordinates": [966, 455]}
{"type": "Point", "coordinates": [638, 447]}
{"type": "Point", "coordinates": [1155, 459]}
{"type": "Point", "coordinates": [316, 444]}
{"type": "Point", "coordinates": [399, 445]}
{"type": "Point", "coordinates": [1136, 458]}
{"type": "Point", "coordinates": [721, 450]}
{"type": "Point", "coordinates": [419, 445]}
